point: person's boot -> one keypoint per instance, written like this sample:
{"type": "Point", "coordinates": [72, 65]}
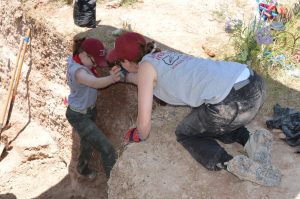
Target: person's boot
{"type": "Point", "coordinates": [259, 146]}
{"type": "Point", "coordinates": [248, 169]}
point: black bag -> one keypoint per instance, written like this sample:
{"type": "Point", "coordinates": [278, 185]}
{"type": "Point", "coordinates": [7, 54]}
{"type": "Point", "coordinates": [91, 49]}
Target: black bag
{"type": "Point", "coordinates": [84, 13]}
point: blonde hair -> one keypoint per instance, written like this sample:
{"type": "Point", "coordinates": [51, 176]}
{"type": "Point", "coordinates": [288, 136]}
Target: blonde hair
{"type": "Point", "coordinates": [150, 47]}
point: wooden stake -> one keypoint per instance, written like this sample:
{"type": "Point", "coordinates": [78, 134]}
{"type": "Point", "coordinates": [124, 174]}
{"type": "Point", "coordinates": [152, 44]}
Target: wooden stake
{"type": "Point", "coordinates": [11, 87]}
{"type": "Point", "coordinates": [20, 65]}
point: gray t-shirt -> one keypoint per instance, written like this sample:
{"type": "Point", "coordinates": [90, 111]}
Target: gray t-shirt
{"type": "Point", "coordinates": [81, 96]}
{"type": "Point", "coordinates": [186, 80]}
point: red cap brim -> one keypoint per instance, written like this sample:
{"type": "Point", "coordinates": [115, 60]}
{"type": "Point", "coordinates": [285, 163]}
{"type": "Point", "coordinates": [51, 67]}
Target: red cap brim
{"type": "Point", "coordinates": [101, 61]}
{"type": "Point", "coordinates": [112, 56]}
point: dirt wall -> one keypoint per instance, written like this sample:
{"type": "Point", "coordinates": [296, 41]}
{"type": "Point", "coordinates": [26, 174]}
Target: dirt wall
{"type": "Point", "coordinates": [43, 87]}
{"type": "Point", "coordinates": [45, 69]}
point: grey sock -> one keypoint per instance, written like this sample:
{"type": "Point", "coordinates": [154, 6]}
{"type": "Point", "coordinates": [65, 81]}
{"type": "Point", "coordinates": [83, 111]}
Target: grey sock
{"type": "Point", "coordinates": [248, 169]}
{"type": "Point", "coordinates": [259, 146]}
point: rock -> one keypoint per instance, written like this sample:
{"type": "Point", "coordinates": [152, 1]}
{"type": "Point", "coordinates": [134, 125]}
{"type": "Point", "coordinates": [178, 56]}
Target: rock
{"type": "Point", "coordinates": [208, 51]}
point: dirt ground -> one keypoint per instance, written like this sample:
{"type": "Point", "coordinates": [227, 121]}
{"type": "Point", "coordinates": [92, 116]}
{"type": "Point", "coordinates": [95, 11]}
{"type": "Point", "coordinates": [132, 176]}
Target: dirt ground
{"type": "Point", "coordinates": [41, 157]}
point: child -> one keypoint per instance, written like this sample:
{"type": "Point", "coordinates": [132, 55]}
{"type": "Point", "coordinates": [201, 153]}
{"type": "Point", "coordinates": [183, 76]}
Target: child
{"type": "Point", "coordinates": [81, 111]}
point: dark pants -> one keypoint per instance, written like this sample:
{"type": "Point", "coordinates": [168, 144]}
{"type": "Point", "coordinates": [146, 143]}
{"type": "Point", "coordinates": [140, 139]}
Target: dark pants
{"type": "Point", "coordinates": [224, 121]}
{"type": "Point", "coordinates": [91, 136]}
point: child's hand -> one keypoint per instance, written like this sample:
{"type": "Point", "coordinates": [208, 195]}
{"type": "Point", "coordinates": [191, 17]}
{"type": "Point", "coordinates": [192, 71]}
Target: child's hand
{"type": "Point", "coordinates": [123, 74]}
{"type": "Point", "coordinates": [115, 73]}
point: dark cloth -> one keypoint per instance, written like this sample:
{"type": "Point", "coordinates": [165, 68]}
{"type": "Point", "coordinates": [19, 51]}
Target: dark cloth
{"type": "Point", "coordinates": [91, 136]}
{"type": "Point", "coordinates": [288, 120]}
{"type": "Point", "coordinates": [84, 13]}
{"type": "Point", "coordinates": [298, 149]}
{"type": "Point", "coordinates": [224, 121]}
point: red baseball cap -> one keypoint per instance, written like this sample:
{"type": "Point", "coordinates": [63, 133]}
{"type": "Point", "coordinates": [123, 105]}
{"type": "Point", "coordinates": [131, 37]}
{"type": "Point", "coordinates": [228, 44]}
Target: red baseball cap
{"type": "Point", "coordinates": [127, 47]}
{"type": "Point", "coordinates": [96, 49]}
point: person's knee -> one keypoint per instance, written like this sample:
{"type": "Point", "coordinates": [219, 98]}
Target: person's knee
{"type": "Point", "coordinates": [179, 132]}
{"type": "Point", "coordinates": [100, 142]}
{"type": "Point", "coordinates": [108, 148]}
{"type": "Point", "coordinates": [86, 131]}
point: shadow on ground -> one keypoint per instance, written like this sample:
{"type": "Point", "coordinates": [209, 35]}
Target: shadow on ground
{"type": "Point", "coordinates": [8, 196]}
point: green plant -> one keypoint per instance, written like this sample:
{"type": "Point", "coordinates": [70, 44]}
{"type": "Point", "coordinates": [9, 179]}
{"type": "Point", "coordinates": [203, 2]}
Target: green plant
{"type": "Point", "coordinates": [284, 46]}
{"type": "Point", "coordinates": [258, 45]}
{"type": "Point", "coordinates": [127, 26]}
{"type": "Point", "coordinates": [282, 50]}
{"type": "Point", "coordinates": [127, 2]}
{"type": "Point", "coordinates": [243, 37]}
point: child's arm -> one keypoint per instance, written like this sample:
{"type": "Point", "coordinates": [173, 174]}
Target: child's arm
{"type": "Point", "coordinates": [89, 80]}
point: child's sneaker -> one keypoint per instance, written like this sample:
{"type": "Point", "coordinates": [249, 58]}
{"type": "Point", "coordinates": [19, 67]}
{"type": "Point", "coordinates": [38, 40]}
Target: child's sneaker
{"type": "Point", "coordinates": [90, 175]}
{"type": "Point", "coordinates": [247, 169]}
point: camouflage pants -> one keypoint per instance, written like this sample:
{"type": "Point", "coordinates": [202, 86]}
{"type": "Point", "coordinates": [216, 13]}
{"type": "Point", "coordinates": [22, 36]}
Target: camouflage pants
{"type": "Point", "coordinates": [91, 136]}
